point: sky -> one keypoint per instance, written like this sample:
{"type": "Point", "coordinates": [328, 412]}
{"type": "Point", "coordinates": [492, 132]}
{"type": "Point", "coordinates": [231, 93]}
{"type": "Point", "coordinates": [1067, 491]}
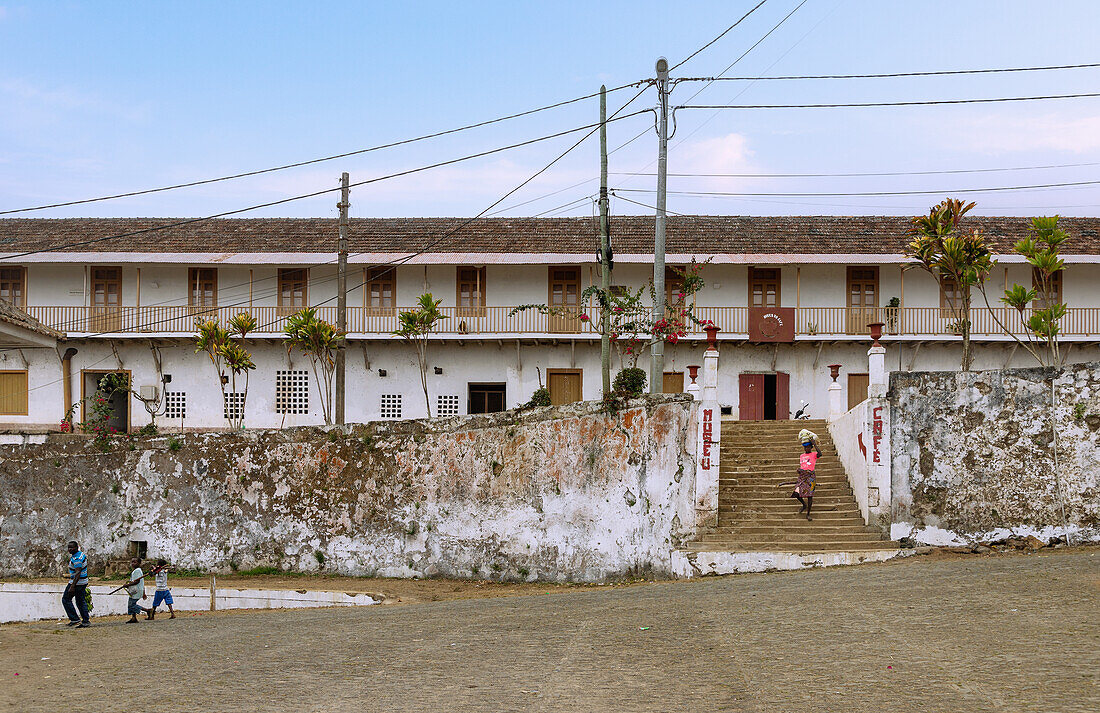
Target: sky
{"type": "Point", "coordinates": [98, 98]}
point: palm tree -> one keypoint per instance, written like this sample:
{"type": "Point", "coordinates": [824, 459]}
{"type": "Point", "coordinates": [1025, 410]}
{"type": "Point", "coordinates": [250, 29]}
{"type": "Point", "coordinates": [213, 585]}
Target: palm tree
{"type": "Point", "coordinates": [318, 340]}
{"type": "Point", "coordinates": [416, 325]}
{"type": "Point", "coordinates": [959, 262]}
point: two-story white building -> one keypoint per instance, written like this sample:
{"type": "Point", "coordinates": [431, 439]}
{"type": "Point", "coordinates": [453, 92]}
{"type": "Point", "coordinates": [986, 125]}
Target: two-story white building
{"type": "Point", "coordinates": [130, 303]}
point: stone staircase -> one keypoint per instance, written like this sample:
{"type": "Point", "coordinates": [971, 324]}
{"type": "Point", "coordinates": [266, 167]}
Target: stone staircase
{"type": "Point", "coordinates": [756, 515]}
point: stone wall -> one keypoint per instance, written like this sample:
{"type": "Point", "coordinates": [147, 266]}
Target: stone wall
{"type": "Point", "coordinates": [567, 493]}
{"type": "Point", "coordinates": [973, 453]}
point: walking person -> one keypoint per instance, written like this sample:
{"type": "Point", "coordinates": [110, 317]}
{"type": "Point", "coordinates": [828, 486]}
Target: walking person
{"type": "Point", "coordinates": [163, 593]}
{"type": "Point", "coordinates": [807, 477]}
{"type": "Point", "coordinates": [135, 589]}
{"type": "Point", "coordinates": [77, 587]}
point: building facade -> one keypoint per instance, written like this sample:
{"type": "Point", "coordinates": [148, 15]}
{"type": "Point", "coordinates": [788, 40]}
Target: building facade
{"type": "Point", "coordinates": [126, 295]}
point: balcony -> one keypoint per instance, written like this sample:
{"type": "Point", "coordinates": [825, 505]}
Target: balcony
{"type": "Point", "coordinates": [811, 322]}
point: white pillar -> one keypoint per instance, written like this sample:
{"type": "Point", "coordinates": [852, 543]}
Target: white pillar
{"type": "Point", "coordinates": [836, 401]}
{"type": "Point", "coordinates": [709, 446]}
{"type": "Point", "coordinates": [710, 375]}
{"type": "Point", "coordinates": [693, 389]}
{"type": "Point", "coordinates": [876, 368]}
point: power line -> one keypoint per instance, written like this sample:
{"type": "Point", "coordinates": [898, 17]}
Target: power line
{"type": "Point", "coordinates": [874, 193]}
{"type": "Point", "coordinates": [407, 172]}
{"type": "Point", "coordinates": [644, 205]}
{"type": "Point", "coordinates": [904, 103]}
{"type": "Point", "coordinates": [392, 264]}
{"type": "Point", "coordinates": [315, 160]}
{"type": "Point", "coordinates": [754, 45]}
{"type": "Point", "coordinates": [890, 75]}
{"type": "Point", "coordinates": [720, 36]}
{"type": "Point", "coordinates": [861, 174]}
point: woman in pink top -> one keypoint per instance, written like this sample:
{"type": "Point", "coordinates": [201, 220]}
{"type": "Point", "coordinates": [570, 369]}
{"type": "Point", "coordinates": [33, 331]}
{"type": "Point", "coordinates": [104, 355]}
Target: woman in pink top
{"type": "Point", "coordinates": [807, 478]}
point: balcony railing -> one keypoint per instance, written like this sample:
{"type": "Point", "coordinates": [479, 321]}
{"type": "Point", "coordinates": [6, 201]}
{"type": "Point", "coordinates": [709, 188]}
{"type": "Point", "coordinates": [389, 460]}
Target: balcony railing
{"type": "Point", "coordinates": [809, 321]}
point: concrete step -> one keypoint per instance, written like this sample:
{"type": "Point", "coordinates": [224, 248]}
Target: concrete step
{"type": "Point", "coordinates": [804, 548]}
{"type": "Point", "coordinates": [819, 529]}
{"type": "Point", "coordinates": [742, 509]}
{"type": "Point", "coordinates": [827, 536]}
{"type": "Point", "coordinates": [772, 519]}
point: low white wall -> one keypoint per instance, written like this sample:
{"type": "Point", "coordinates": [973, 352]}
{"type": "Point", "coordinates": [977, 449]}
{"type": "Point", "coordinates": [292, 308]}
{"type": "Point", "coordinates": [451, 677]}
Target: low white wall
{"type": "Point", "coordinates": [32, 602]}
{"type": "Point", "coordinates": [862, 442]}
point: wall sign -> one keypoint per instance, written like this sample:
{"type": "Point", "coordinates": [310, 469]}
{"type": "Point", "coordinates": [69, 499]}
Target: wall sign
{"type": "Point", "coordinates": [708, 431]}
{"type": "Point", "coordinates": [771, 324]}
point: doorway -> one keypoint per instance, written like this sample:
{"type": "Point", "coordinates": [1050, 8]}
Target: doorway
{"type": "Point", "coordinates": [564, 385]}
{"type": "Point", "coordinates": [119, 419]}
{"type": "Point", "coordinates": [673, 382]}
{"type": "Point", "coordinates": [764, 397]}
{"type": "Point", "coordinates": [857, 389]}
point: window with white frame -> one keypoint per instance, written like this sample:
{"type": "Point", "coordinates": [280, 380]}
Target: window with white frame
{"type": "Point", "coordinates": [234, 405]}
{"type": "Point", "coordinates": [175, 404]}
{"type": "Point", "coordinates": [391, 406]}
{"type": "Point", "coordinates": [292, 391]}
{"type": "Point", "coordinates": [446, 405]}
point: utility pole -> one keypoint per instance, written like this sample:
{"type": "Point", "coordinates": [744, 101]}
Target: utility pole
{"type": "Point", "coordinates": [657, 367]}
{"type": "Point", "coordinates": [342, 299]}
{"type": "Point", "coordinates": [605, 251]}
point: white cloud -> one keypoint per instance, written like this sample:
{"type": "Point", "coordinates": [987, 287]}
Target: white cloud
{"type": "Point", "coordinates": [722, 154]}
{"type": "Point", "coordinates": [1048, 132]}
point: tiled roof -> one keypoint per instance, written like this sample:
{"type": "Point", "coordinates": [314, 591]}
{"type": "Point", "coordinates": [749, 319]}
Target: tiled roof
{"type": "Point", "coordinates": [630, 234]}
{"type": "Point", "coordinates": [13, 315]}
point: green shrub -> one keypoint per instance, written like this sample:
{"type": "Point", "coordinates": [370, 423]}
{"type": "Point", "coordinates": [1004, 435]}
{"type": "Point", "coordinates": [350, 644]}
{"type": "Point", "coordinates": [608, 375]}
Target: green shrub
{"type": "Point", "coordinates": [149, 429]}
{"type": "Point", "coordinates": [541, 397]}
{"type": "Point", "coordinates": [174, 444]}
{"type": "Point", "coordinates": [630, 382]}
{"type": "Point", "coordinates": [263, 569]}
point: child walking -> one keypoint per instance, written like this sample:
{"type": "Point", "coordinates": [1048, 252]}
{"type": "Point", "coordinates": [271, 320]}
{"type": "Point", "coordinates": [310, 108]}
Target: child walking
{"type": "Point", "coordinates": [163, 593]}
{"type": "Point", "coordinates": [807, 477]}
{"type": "Point", "coordinates": [135, 589]}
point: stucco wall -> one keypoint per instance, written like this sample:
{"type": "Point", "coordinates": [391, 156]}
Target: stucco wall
{"type": "Point", "coordinates": [569, 493]}
{"type": "Point", "coordinates": [972, 452]}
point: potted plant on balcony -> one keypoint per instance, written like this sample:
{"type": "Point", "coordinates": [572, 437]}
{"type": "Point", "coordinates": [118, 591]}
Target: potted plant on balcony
{"type": "Point", "coordinates": [892, 313]}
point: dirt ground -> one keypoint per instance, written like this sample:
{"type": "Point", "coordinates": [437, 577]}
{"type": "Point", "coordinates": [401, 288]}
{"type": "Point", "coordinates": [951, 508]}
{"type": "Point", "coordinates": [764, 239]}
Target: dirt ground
{"type": "Point", "coordinates": [392, 591]}
{"type": "Point", "coordinates": [946, 632]}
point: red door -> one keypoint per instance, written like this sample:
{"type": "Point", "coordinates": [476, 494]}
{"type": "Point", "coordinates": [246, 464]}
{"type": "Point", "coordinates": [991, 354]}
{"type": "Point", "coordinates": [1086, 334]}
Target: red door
{"type": "Point", "coordinates": [782, 396]}
{"type": "Point", "coordinates": [750, 397]}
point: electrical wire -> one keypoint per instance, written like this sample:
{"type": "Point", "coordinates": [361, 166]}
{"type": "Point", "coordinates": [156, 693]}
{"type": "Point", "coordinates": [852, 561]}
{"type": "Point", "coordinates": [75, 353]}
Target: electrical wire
{"type": "Point", "coordinates": [873, 193]}
{"type": "Point", "coordinates": [862, 174]}
{"type": "Point", "coordinates": [890, 75]}
{"type": "Point", "coordinates": [645, 205]}
{"type": "Point", "coordinates": [876, 104]}
{"type": "Point", "coordinates": [720, 36]}
{"type": "Point", "coordinates": [333, 157]}
{"type": "Point", "coordinates": [281, 201]}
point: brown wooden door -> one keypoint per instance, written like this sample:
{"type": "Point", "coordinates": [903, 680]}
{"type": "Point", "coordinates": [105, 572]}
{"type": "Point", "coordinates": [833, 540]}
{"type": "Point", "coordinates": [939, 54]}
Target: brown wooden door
{"type": "Point", "coordinates": [782, 396]}
{"type": "Point", "coordinates": [673, 382]}
{"type": "Point", "coordinates": [750, 397]}
{"type": "Point", "coordinates": [862, 298]}
{"type": "Point", "coordinates": [564, 385]}
{"type": "Point", "coordinates": [564, 300]}
{"type": "Point", "coordinates": [106, 309]}
{"type": "Point", "coordinates": [857, 389]}
{"type": "Point", "coordinates": [470, 292]}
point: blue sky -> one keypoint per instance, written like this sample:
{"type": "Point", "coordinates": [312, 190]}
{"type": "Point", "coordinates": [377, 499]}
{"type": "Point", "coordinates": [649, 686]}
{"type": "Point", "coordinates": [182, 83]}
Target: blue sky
{"type": "Point", "coordinates": [105, 97]}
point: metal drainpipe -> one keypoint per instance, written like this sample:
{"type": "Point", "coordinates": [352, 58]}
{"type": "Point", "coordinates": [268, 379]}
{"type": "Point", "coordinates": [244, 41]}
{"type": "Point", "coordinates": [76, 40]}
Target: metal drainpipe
{"type": "Point", "coordinates": [67, 379]}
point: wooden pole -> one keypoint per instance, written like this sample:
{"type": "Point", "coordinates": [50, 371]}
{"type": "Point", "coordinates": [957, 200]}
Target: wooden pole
{"type": "Point", "coordinates": [342, 299]}
{"type": "Point", "coordinates": [605, 252]}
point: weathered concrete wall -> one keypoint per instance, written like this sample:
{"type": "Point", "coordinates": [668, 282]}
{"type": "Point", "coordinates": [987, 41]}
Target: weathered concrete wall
{"type": "Point", "coordinates": [862, 442]}
{"type": "Point", "coordinates": [557, 493]}
{"type": "Point", "coordinates": [973, 453]}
